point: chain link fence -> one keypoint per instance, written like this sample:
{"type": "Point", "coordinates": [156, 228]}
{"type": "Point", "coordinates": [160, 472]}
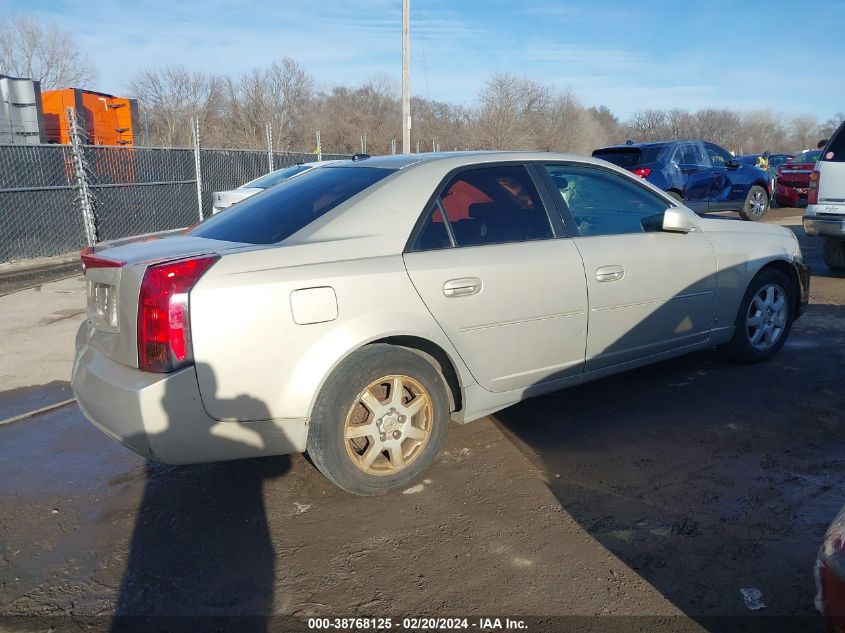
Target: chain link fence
{"type": "Point", "coordinates": [131, 190]}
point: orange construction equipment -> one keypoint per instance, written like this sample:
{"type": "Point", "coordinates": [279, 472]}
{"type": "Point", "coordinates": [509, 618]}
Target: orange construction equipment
{"type": "Point", "coordinates": [109, 120]}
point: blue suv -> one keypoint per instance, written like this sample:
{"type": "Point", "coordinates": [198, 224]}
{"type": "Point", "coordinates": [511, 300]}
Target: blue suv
{"type": "Point", "coordinates": [704, 176]}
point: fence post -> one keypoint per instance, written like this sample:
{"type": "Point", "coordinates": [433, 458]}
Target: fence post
{"type": "Point", "coordinates": [319, 147]}
{"type": "Point", "coordinates": [80, 167]}
{"type": "Point", "coordinates": [270, 146]}
{"type": "Point", "coordinates": [195, 125]}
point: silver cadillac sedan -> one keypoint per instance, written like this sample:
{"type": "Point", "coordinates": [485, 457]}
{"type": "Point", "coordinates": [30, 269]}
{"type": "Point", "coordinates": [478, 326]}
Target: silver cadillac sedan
{"type": "Point", "coordinates": [354, 311]}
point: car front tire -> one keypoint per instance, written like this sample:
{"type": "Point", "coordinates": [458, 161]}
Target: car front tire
{"type": "Point", "coordinates": [756, 204]}
{"type": "Point", "coordinates": [765, 318]}
{"type": "Point", "coordinates": [379, 421]}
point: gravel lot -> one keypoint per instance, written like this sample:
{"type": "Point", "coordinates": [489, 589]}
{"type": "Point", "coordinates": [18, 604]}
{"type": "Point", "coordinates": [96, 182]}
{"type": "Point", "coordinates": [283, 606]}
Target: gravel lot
{"type": "Point", "coordinates": [659, 493]}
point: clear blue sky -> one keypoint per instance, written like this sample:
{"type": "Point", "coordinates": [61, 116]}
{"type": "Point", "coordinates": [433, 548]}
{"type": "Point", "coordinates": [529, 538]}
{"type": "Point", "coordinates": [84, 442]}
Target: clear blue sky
{"type": "Point", "coordinates": [782, 55]}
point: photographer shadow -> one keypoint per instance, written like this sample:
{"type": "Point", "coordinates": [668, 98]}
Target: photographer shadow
{"type": "Point", "coordinates": [201, 555]}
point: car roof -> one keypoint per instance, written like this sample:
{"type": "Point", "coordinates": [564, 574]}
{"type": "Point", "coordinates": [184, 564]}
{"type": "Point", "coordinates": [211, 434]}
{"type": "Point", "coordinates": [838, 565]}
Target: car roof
{"type": "Point", "coordinates": [643, 144]}
{"type": "Point", "coordinates": [459, 159]}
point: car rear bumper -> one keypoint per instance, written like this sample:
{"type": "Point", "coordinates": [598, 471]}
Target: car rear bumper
{"type": "Point", "coordinates": [790, 196]}
{"type": "Point", "coordinates": [826, 224]}
{"type": "Point", "coordinates": [161, 416]}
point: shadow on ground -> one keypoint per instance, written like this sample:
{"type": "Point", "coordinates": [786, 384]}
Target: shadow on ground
{"type": "Point", "coordinates": [704, 476]}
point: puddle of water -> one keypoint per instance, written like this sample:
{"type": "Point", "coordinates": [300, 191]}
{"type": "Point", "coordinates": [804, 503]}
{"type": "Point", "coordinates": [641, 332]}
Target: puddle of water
{"type": "Point", "coordinates": [61, 453]}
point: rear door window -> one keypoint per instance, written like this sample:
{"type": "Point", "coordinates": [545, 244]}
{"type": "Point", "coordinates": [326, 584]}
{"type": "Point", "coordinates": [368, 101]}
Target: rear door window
{"type": "Point", "coordinates": [718, 156]}
{"type": "Point", "coordinates": [489, 205]}
{"type": "Point", "coordinates": [278, 212]}
{"type": "Point", "coordinates": [690, 154]}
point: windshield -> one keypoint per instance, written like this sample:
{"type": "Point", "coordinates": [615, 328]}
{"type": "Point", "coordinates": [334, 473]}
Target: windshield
{"type": "Point", "coordinates": [277, 213]}
{"type": "Point", "coordinates": [275, 177]}
{"type": "Point", "coordinates": [811, 156]}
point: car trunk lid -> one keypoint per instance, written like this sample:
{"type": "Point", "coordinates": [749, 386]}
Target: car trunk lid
{"type": "Point", "coordinates": [795, 175]}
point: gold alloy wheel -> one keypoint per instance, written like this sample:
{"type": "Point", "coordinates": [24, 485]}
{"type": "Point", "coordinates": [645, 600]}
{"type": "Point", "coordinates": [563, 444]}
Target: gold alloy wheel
{"type": "Point", "coordinates": [388, 425]}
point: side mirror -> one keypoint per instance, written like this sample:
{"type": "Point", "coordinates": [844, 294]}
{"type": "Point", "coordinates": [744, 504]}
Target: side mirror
{"type": "Point", "coordinates": [733, 164]}
{"type": "Point", "coordinates": [677, 220]}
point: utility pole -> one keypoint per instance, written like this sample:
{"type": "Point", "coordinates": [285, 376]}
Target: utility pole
{"type": "Point", "coordinates": [406, 79]}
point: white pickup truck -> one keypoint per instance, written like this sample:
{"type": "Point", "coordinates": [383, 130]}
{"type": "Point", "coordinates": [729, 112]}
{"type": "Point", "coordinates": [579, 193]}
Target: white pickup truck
{"type": "Point", "coordinates": [825, 215]}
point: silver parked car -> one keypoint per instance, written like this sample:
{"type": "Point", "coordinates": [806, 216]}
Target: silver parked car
{"type": "Point", "coordinates": [355, 310]}
{"type": "Point", "coordinates": [224, 199]}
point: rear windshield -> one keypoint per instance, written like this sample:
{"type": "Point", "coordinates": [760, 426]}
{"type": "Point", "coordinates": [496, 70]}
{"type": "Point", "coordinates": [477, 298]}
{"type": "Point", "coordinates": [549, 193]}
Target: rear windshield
{"type": "Point", "coordinates": [275, 177]}
{"type": "Point", "coordinates": [811, 156]}
{"type": "Point", "coordinates": [835, 150]}
{"type": "Point", "coordinates": [629, 157]}
{"type": "Point", "coordinates": [277, 213]}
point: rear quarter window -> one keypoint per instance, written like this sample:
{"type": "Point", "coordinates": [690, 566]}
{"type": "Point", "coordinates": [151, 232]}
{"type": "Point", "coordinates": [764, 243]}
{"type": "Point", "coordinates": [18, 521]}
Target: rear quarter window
{"type": "Point", "coordinates": [277, 213]}
{"type": "Point", "coordinates": [835, 150]}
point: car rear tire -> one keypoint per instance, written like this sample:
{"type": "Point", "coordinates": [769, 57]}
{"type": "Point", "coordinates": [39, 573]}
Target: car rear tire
{"type": "Point", "coordinates": [379, 420]}
{"type": "Point", "coordinates": [764, 319]}
{"type": "Point", "coordinates": [756, 204]}
{"type": "Point", "coordinates": [834, 253]}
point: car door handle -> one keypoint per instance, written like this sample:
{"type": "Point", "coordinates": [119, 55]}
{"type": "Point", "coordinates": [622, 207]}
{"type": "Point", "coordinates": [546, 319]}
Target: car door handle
{"type": "Point", "coordinates": [610, 273]}
{"type": "Point", "coordinates": [462, 287]}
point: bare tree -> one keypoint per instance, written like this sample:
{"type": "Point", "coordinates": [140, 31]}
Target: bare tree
{"type": "Point", "coordinates": [609, 125]}
{"type": "Point", "coordinates": [44, 53]}
{"type": "Point", "coordinates": [345, 114]}
{"type": "Point", "coordinates": [559, 127]}
{"type": "Point", "coordinates": [171, 96]}
{"type": "Point", "coordinates": [648, 125]}
{"type": "Point", "coordinates": [512, 112]}
{"type": "Point", "coordinates": [804, 132]}
{"type": "Point", "coordinates": [279, 96]}
{"type": "Point", "coordinates": [439, 124]}
{"type": "Point", "coordinates": [827, 128]}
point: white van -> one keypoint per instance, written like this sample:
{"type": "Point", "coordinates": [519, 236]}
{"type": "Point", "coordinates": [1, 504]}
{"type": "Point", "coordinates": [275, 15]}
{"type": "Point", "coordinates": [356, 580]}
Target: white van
{"type": "Point", "coordinates": [825, 215]}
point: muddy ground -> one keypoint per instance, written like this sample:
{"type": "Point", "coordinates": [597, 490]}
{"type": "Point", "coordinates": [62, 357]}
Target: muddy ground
{"type": "Point", "coordinates": [660, 492]}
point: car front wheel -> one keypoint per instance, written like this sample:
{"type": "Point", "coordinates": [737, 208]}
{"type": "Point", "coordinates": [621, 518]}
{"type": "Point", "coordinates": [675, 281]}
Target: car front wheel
{"type": "Point", "coordinates": [764, 319]}
{"type": "Point", "coordinates": [379, 420]}
{"type": "Point", "coordinates": [756, 204]}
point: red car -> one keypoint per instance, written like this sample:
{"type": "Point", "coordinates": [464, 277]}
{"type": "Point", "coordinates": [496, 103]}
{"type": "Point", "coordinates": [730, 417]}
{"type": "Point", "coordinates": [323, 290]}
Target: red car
{"type": "Point", "coordinates": [830, 575]}
{"type": "Point", "coordinates": [793, 179]}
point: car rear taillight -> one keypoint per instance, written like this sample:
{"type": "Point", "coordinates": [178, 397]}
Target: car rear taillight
{"type": "Point", "coordinates": [164, 327]}
{"type": "Point", "coordinates": [813, 188]}
{"type": "Point", "coordinates": [642, 172]}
